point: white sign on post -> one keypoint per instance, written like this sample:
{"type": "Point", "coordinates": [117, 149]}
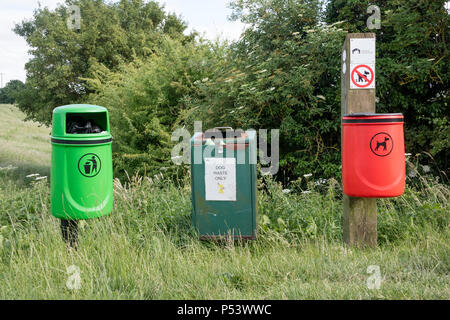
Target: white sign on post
{"type": "Point", "coordinates": [220, 179]}
{"type": "Point", "coordinates": [362, 63]}
{"type": "Point", "coordinates": [362, 51]}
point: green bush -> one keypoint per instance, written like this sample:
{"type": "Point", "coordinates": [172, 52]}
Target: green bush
{"type": "Point", "coordinates": [147, 248]}
{"type": "Point", "coordinates": [284, 73]}
{"type": "Point", "coordinates": [145, 103]}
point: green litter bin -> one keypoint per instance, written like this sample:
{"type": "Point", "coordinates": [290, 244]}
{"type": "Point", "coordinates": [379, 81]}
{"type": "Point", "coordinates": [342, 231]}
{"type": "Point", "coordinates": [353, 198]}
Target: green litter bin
{"type": "Point", "coordinates": [223, 182]}
{"type": "Point", "coordinates": [81, 180]}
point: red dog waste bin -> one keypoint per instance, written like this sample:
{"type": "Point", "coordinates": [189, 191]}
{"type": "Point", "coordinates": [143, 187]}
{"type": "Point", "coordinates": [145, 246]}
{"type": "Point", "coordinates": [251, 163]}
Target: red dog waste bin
{"type": "Point", "coordinates": [373, 155]}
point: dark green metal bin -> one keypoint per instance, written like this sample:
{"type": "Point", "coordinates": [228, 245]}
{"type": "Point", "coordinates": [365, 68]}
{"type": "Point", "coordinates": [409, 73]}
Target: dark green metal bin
{"type": "Point", "coordinates": [223, 182]}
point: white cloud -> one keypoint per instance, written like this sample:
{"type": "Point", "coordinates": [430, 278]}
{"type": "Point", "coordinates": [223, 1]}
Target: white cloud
{"type": "Point", "coordinates": [207, 17]}
{"type": "Point", "coordinates": [227, 30]}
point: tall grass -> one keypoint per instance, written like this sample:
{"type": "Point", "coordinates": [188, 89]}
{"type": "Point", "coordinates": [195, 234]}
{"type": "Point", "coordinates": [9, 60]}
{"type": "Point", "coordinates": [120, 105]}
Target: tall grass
{"type": "Point", "coordinates": [147, 248]}
{"type": "Point", "coordinates": [23, 145]}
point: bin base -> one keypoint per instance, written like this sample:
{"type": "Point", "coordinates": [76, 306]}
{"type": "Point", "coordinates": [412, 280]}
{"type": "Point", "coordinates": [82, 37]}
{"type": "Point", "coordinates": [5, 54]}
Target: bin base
{"type": "Point", "coordinates": [69, 230]}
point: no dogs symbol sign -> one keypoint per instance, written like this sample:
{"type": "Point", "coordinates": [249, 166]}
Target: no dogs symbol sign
{"type": "Point", "coordinates": [220, 179]}
{"type": "Point", "coordinates": [362, 76]}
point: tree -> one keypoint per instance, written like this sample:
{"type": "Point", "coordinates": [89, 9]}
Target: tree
{"type": "Point", "coordinates": [284, 73]}
{"type": "Point", "coordinates": [9, 93]}
{"type": "Point", "coordinates": [145, 101]}
{"type": "Point", "coordinates": [111, 34]}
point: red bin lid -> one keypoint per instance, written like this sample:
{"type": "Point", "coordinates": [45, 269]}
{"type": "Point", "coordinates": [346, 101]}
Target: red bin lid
{"type": "Point", "coordinates": [372, 118]}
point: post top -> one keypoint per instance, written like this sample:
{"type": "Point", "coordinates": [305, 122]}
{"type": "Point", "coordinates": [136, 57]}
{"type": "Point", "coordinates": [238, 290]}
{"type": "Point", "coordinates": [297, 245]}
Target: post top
{"type": "Point", "coordinates": [361, 35]}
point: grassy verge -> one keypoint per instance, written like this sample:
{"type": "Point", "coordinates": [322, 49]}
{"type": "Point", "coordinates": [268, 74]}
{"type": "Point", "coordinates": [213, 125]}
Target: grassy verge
{"type": "Point", "coordinates": [23, 145]}
{"type": "Point", "coordinates": [147, 248]}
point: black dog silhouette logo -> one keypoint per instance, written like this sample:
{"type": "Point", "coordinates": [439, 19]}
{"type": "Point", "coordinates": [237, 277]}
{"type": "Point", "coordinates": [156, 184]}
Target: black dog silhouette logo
{"type": "Point", "coordinates": [381, 144]}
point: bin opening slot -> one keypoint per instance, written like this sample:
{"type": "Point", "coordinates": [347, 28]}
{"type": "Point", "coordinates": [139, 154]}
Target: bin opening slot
{"type": "Point", "coordinates": [82, 123]}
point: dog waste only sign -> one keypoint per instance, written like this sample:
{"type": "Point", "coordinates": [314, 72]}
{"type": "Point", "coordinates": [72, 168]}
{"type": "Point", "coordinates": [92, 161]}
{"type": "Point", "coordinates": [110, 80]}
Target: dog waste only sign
{"type": "Point", "coordinates": [220, 179]}
{"type": "Point", "coordinates": [362, 63]}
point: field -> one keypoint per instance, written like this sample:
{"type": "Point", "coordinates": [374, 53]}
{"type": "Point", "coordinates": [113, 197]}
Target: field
{"type": "Point", "coordinates": [24, 145]}
{"type": "Point", "coordinates": [147, 249]}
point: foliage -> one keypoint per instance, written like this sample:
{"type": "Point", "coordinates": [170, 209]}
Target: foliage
{"type": "Point", "coordinates": [110, 34]}
{"type": "Point", "coordinates": [144, 99]}
{"type": "Point", "coordinates": [147, 249]}
{"type": "Point", "coordinates": [10, 91]}
{"type": "Point", "coordinates": [284, 73]}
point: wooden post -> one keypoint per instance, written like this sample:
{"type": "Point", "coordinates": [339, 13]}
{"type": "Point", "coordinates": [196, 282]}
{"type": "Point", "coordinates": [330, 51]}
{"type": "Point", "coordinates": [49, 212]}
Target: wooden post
{"type": "Point", "coordinates": [360, 214]}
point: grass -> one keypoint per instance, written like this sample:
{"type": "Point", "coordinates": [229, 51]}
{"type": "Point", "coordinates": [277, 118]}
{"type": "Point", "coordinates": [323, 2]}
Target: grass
{"type": "Point", "coordinates": [24, 145]}
{"type": "Point", "coordinates": [147, 248]}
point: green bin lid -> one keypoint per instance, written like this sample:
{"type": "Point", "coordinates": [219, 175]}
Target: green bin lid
{"type": "Point", "coordinates": [98, 114]}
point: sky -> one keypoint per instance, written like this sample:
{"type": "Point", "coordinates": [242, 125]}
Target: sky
{"type": "Point", "coordinates": [209, 17]}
